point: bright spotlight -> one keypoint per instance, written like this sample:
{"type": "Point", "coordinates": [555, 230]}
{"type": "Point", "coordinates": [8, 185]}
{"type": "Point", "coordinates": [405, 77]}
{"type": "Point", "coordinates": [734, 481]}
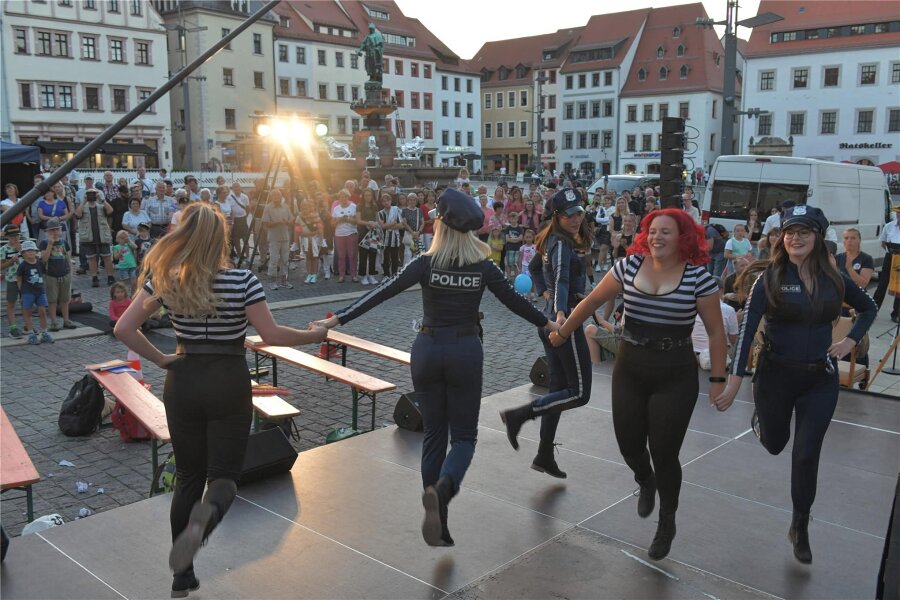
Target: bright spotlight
{"type": "Point", "coordinates": [263, 130]}
{"type": "Point", "coordinates": [321, 129]}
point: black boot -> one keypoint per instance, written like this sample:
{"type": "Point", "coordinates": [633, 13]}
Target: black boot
{"type": "Point", "coordinates": [435, 499]}
{"type": "Point", "coordinates": [665, 533]}
{"type": "Point", "coordinates": [205, 515]}
{"type": "Point", "coordinates": [647, 497]}
{"type": "Point", "coordinates": [799, 537]}
{"type": "Point", "coordinates": [514, 419]}
{"type": "Point", "coordinates": [182, 583]}
{"type": "Point", "coordinates": [545, 462]}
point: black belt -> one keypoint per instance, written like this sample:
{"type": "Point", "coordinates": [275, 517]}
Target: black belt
{"type": "Point", "coordinates": [796, 365]}
{"type": "Point", "coordinates": [228, 349]}
{"type": "Point", "coordinates": [663, 343]}
{"type": "Point", "coordinates": [460, 331]}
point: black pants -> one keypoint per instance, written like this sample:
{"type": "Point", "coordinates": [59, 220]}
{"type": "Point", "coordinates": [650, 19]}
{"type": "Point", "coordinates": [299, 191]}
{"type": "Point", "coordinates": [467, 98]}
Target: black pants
{"type": "Point", "coordinates": [884, 279]}
{"type": "Point", "coordinates": [239, 232]}
{"type": "Point", "coordinates": [653, 398]}
{"type": "Point", "coordinates": [446, 373]}
{"type": "Point", "coordinates": [570, 380]}
{"type": "Point", "coordinates": [367, 261]}
{"type": "Point", "coordinates": [391, 263]}
{"type": "Point", "coordinates": [209, 410]}
{"type": "Point", "coordinates": [778, 393]}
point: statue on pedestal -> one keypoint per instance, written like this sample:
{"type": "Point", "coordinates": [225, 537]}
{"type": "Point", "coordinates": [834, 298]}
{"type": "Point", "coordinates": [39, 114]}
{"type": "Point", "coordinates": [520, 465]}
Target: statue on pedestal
{"type": "Point", "coordinates": [373, 148]}
{"type": "Point", "coordinates": [373, 47]}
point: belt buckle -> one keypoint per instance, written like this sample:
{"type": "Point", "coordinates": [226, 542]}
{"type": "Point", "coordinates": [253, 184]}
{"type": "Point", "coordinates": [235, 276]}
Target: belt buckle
{"type": "Point", "coordinates": [666, 343]}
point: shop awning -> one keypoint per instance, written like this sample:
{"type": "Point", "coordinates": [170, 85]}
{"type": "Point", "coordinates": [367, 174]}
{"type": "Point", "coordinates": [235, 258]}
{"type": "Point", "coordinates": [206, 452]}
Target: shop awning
{"type": "Point", "coordinates": [52, 147]}
{"type": "Point", "coordinates": [128, 149]}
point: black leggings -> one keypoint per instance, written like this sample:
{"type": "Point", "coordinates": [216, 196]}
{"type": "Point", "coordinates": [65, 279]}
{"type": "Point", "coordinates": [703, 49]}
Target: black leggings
{"type": "Point", "coordinates": [367, 261]}
{"type": "Point", "coordinates": [570, 380]}
{"type": "Point", "coordinates": [209, 410]}
{"type": "Point", "coordinates": [778, 392]}
{"type": "Point", "coordinates": [391, 262]}
{"type": "Point", "coordinates": [653, 398]}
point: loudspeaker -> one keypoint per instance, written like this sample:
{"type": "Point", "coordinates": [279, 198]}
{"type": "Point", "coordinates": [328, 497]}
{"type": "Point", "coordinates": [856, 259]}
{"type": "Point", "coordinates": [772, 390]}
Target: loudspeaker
{"type": "Point", "coordinates": [407, 414]}
{"type": "Point", "coordinates": [268, 453]}
{"type": "Point", "coordinates": [540, 372]}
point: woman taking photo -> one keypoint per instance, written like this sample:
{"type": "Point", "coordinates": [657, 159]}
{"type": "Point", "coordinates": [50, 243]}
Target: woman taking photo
{"type": "Point", "coordinates": [754, 229]}
{"type": "Point", "coordinates": [654, 380]}
{"type": "Point", "coordinates": [562, 247]}
{"type": "Point", "coordinates": [447, 356]}
{"type": "Point", "coordinates": [800, 293]}
{"type": "Point", "coordinates": [207, 392]}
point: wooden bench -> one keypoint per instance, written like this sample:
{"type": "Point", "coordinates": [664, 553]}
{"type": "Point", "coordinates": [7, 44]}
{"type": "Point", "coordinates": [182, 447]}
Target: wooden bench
{"type": "Point", "coordinates": [361, 385]}
{"type": "Point", "coordinates": [144, 406]}
{"type": "Point", "coordinates": [272, 409]}
{"type": "Point", "coordinates": [342, 341]}
{"type": "Point", "coordinates": [17, 472]}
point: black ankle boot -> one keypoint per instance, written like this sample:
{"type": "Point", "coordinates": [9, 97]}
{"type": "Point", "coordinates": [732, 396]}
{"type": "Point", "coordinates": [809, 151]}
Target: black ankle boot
{"type": "Point", "coordinates": [662, 541]}
{"type": "Point", "coordinates": [182, 583]}
{"type": "Point", "coordinates": [647, 497]}
{"type": "Point", "coordinates": [435, 499]}
{"type": "Point", "coordinates": [205, 515]}
{"type": "Point", "coordinates": [545, 462]}
{"type": "Point", "coordinates": [799, 537]}
{"type": "Point", "coordinates": [514, 419]}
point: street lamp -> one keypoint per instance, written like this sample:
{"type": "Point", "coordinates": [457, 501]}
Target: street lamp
{"type": "Point", "coordinates": [728, 84]}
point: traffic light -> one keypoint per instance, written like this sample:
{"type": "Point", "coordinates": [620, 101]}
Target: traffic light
{"type": "Point", "coordinates": [671, 167]}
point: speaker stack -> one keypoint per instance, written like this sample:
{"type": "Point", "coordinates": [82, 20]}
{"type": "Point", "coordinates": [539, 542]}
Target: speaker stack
{"type": "Point", "coordinates": [268, 453]}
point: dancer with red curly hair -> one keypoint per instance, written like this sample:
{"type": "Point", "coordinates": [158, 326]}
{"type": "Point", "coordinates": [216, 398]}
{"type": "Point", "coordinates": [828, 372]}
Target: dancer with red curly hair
{"type": "Point", "coordinates": [654, 381]}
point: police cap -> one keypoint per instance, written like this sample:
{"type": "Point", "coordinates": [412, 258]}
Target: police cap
{"type": "Point", "coordinates": [808, 216]}
{"type": "Point", "coordinates": [458, 211]}
{"type": "Point", "coordinates": [566, 202]}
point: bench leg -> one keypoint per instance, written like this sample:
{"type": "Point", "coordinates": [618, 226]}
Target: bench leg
{"type": "Point", "coordinates": [343, 356]}
{"type": "Point", "coordinates": [373, 413]}
{"type": "Point", "coordinates": [255, 421]}
{"type": "Point", "coordinates": [274, 371]}
{"type": "Point", "coordinates": [355, 408]}
{"type": "Point", "coordinates": [154, 462]}
{"type": "Point", "coordinates": [29, 504]}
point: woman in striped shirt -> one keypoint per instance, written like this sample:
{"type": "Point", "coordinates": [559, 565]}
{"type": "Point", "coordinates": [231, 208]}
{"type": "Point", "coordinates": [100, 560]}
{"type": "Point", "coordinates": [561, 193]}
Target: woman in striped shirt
{"type": "Point", "coordinates": [207, 391]}
{"type": "Point", "coordinates": [654, 381]}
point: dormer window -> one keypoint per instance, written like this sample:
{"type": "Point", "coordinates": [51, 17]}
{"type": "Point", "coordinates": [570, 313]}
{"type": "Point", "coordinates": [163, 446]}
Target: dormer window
{"type": "Point", "coordinates": [684, 71]}
{"type": "Point", "coordinates": [676, 33]}
{"type": "Point", "coordinates": [375, 13]}
{"type": "Point", "coordinates": [663, 73]}
{"type": "Point", "coordinates": [520, 72]}
{"type": "Point", "coordinates": [642, 74]}
{"type": "Point", "coordinates": [660, 52]}
{"type": "Point", "coordinates": [680, 50]}
{"type": "Point", "coordinates": [548, 56]}
{"type": "Point", "coordinates": [718, 58]}
{"type": "Point", "coordinates": [503, 73]}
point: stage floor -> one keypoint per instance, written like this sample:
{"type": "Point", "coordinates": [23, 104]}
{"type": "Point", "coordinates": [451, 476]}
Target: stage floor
{"type": "Point", "coordinates": [346, 522]}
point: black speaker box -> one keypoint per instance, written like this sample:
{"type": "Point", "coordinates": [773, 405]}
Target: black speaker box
{"type": "Point", "coordinates": [407, 414]}
{"type": "Point", "coordinates": [540, 372]}
{"type": "Point", "coordinates": [268, 453]}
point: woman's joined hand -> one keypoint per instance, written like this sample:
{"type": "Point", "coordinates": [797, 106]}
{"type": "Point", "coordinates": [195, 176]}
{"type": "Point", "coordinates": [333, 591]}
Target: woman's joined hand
{"type": "Point", "coordinates": [841, 348]}
{"type": "Point", "coordinates": [722, 395]}
{"type": "Point", "coordinates": [329, 323]}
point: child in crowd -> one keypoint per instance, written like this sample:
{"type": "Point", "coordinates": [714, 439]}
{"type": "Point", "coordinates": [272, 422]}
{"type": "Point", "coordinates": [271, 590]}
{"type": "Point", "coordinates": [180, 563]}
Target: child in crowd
{"type": "Point", "coordinates": [736, 246]}
{"type": "Point", "coordinates": [143, 241]}
{"type": "Point", "coordinates": [118, 302]}
{"type": "Point", "coordinates": [30, 278]}
{"type": "Point", "coordinates": [311, 237]}
{"type": "Point", "coordinates": [57, 280]}
{"type": "Point", "coordinates": [528, 250]}
{"type": "Point", "coordinates": [496, 242]}
{"type": "Point", "coordinates": [513, 236]}
{"type": "Point", "coordinates": [10, 258]}
{"type": "Point", "coordinates": [125, 254]}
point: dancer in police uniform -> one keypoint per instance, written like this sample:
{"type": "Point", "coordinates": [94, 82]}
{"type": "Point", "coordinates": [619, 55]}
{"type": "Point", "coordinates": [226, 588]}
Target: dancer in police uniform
{"type": "Point", "coordinates": [800, 294]}
{"type": "Point", "coordinates": [447, 354]}
{"type": "Point", "coordinates": [562, 246]}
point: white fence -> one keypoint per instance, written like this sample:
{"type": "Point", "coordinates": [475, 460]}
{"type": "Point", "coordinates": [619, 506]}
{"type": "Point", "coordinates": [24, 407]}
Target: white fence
{"type": "Point", "coordinates": [206, 179]}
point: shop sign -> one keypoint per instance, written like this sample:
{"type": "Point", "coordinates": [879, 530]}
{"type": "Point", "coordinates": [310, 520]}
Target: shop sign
{"type": "Point", "coordinates": [865, 146]}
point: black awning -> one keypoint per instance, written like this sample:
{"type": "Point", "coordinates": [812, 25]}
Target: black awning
{"type": "Point", "coordinates": [128, 149]}
{"type": "Point", "coordinates": [51, 147]}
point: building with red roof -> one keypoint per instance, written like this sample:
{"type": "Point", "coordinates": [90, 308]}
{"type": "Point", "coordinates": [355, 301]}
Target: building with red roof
{"type": "Point", "coordinates": [827, 77]}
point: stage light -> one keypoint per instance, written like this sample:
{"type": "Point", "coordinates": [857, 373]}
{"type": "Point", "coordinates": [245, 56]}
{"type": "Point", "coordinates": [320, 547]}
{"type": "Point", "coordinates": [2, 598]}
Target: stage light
{"type": "Point", "coordinates": [321, 129]}
{"type": "Point", "coordinates": [263, 130]}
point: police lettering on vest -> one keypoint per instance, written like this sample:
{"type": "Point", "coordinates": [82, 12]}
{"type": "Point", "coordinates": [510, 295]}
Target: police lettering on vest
{"type": "Point", "coordinates": [450, 280]}
{"type": "Point", "coordinates": [791, 289]}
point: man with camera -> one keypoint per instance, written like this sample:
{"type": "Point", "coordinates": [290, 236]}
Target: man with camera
{"type": "Point", "coordinates": [94, 234]}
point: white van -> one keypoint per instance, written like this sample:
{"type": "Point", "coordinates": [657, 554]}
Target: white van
{"type": "Point", "coordinates": [851, 195]}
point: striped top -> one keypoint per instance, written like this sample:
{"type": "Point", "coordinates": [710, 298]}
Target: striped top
{"type": "Point", "coordinates": [678, 307]}
{"type": "Point", "coordinates": [236, 289]}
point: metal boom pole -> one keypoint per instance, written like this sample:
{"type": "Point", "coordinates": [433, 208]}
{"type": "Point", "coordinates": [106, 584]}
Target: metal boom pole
{"type": "Point", "coordinates": [41, 188]}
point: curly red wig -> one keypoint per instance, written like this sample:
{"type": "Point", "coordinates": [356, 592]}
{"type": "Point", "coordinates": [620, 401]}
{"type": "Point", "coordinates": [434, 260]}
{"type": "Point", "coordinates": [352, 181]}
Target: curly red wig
{"type": "Point", "coordinates": [691, 236]}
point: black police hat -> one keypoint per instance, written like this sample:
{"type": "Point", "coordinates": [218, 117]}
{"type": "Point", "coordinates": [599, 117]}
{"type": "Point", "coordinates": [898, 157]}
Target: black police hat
{"type": "Point", "coordinates": [458, 211]}
{"type": "Point", "coordinates": [808, 216]}
{"type": "Point", "coordinates": [566, 202]}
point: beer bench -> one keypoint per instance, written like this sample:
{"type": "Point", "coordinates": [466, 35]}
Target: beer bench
{"type": "Point", "coordinates": [17, 472]}
{"type": "Point", "coordinates": [361, 385]}
{"type": "Point", "coordinates": [144, 406]}
{"type": "Point", "coordinates": [272, 409]}
{"type": "Point", "coordinates": [342, 341]}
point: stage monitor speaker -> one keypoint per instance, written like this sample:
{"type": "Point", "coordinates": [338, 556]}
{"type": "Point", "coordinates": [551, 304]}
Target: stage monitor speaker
{"type": "Point", "coordinates": [407, 414]}
{"type": "Point", "coordinates": [540, 372]}
{"type": "Point", "coordinates": [268, 453]}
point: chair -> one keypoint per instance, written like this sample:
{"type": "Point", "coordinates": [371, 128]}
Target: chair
{"type": "Point", "coordinates": [850, 372]}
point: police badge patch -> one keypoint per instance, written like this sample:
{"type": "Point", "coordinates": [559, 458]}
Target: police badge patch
{"type": "Point", "coordinates": [454, 280]}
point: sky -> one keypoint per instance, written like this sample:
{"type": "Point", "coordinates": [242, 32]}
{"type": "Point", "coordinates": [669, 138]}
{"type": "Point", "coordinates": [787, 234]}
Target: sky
{"type": "Point", "coordinates": [464, 25]}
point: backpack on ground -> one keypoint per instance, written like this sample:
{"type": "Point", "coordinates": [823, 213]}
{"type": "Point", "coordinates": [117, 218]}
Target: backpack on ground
{"type": "Point", "coordinates": [81, 410]}
{"type": "Point", "coordinates": [129, 428]}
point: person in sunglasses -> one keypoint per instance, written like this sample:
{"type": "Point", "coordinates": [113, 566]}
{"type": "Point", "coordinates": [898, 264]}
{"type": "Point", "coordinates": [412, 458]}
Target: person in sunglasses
{"type": "Point", "coordinates": [800, 294]}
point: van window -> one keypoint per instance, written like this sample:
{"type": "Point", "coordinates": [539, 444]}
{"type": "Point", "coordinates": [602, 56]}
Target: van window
{"type": "Point", "coordinates": [734, 199]}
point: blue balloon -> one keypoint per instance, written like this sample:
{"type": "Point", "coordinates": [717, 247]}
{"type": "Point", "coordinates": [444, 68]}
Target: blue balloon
{"type": "Point", "coordinates": [523, 283]}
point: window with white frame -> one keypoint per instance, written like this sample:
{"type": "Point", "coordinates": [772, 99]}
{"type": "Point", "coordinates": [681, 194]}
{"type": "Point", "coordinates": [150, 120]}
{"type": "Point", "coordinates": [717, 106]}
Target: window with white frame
{"type": "Point", "coordinates": [119, 99]}
{"type": "Point", "coordinates": [831, 76]}
{"type": "Point", "coordinates": [225, 32]}
{"type": "Point", "coordinates": [21, 36]}
{"type": "Point", "coordinates": [89, 47]}
{"type": "Point", "coordinates": [487, 100]}
{"type": "Point", "coordinates": [302, 88]}
{"type": "Point", "coordinates": [228, 76]}
{"type": "Point", "coordinates": [764, 124]}
{"type": "Point", "coordinates": [868, 74]}
{"type": "Point", "coordinates": [865, 121]}
{"type": "Point", "coordinates": [646, 142]}
{"type": "Point", "coordinates": [828, 122]}
{"type": "Point", "coordinates": [499, 130]}
{"type": "Point", "coordinates": [258, 80]}
{"type": "Point", "coordinates": [300, 55]}
{"type": "Point", "coordinates": [893, 120]}
{"type": "Point", "coordinates": [137, 8]}
{"type": "Point", "coordinates": [230, 119]}
{"type": "Point", "coordinates": [487, 130]}
{"type": "Point", "coordinates": [797, 123]}
{"type": "Point", "coordinates": [511, 129]}
{"type": "Point", "coordinates": [567, 141]}
{"type": "Point", "coordinates": [43, 43]}
{"type": "Point", "coordinates": [523, 128]}
{"type": "Point", "coordinates": [92, 98]}
{"type": "Point", "coordinates": [116, 50]}
{"type": "Point", "coordinates": [323, 91]}
{"type": "Point", "coordinates": [766, 81]}
{"type": "Point", "coordinates": [282, 53]}
{"type": "Point", "coordinates": [800, 78]}
{"type": "Point", "coordinates": [284, 86]}
{"type": "Point", "coordinates": [47, 96]}
{"type": "Point", "coordinates": [143, 94]}
{"type": "Point", "coordinates": [25, 100]}
{"type": "Point", "coordinates": [142, 52]}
